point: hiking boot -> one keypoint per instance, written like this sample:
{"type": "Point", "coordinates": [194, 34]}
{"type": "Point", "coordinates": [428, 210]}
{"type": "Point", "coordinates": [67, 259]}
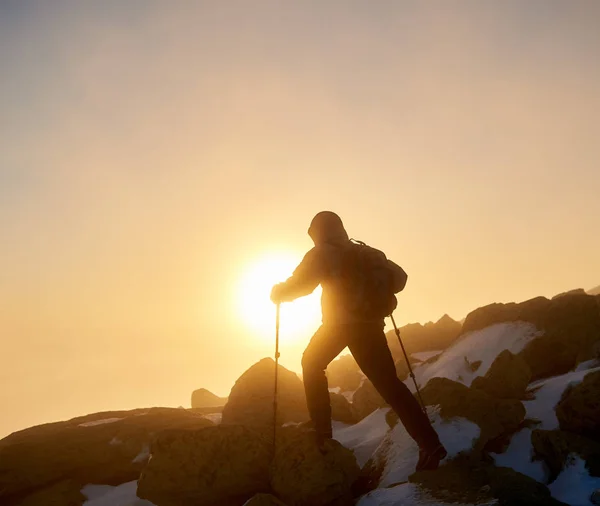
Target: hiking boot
{"type": "Point", "coordinates": [322, 438]}
{"type": "Point", "coordinates": [323, 442]}
{"type": "Point", "coordinates": [429, 461]}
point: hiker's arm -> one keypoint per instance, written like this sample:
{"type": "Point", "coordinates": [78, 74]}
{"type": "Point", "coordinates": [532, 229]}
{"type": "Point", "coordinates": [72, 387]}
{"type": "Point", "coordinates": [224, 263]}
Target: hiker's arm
{"type": "Point", "coordinates": [304, 280]}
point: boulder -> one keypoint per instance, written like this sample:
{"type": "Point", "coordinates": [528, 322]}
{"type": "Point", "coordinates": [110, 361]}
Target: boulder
{"type": "Point", "coordinates": [596, 351]}
{"type": "Point", "coordinates": [463, 481]}
{"type": "Point", "coordinates": [554, 447]}
{"type": "Point", "coordinates": [366, 400]}
{"type": "Point", "coordinates": [203, 398]}
{"type": "Point", "coordinates": [507, 378]}
{"type": "Point", "coordinates": [344, 373]}
{"type": "Point", "coordinates": [63, 493]}
{"type": "Point", "coordinates": [549, 356]}
{"type": "Point", "coordinates": [428, 337]}
{"type": "Point", "coordinates": [402, 371]}
{"type": "Point", "coordinates": [341, 409]}
{"type": "Point", "coordinates": [104, 448]}
{"type": "Point", "coordinates": [575, 291]}
{"type": "Point", "coordinates": [250, 402]}
{"type": "Point", "coordinates": [302, 476]}
{"type": "Point", "coordinates": [570, 325]}
{"type": "Point", "coordinates": [495, 417]}
{"type": "Point", "coordinates": [264, 500]}
{"type": "Point", "coordinates": [578, 410]}
{"type": "Point", "coordinates": [225, 465]}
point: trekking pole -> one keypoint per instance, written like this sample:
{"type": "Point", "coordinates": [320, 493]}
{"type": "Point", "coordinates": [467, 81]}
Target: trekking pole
{"type": "Point", "coordinates": [410, 371]}
{"type": "Point", "coordinates": [276, 373]}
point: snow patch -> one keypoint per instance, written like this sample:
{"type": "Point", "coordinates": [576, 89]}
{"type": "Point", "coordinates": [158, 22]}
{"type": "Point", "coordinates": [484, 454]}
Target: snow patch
{"type": "Point", "coordinates": [100, 422]}
{"type": "Point", "coordinates": [105, 495]}
{"type": "Point", "coordinates": [574, 485]}
{"type": "Point", "coordinates": [422, 356]}
{"type": "Point", "coordinates": [589, 364]}
{"type": "Point", "coordinates": [548, 393]}
{"type": "Point", "coordinates": [407, 494]}
{"type": "Point", "coordinates": [365, 436]}
{"type": "Point", "coordinates": [214, 417]}
{"type": "Point", "coordinates": [143, 455]}
{"type": "Point", "coordinates": [335, 390]}
{"type": "Point", "coordinates": [349, 395]}
{"type": "Point", "coordinates": [115, 441]}
{"type": "Point", "coordinates": [481, 345]}
{"type": "Point", "coordinates": [401, 453]}
{"type": "Point", "coordinates": [519, 456]}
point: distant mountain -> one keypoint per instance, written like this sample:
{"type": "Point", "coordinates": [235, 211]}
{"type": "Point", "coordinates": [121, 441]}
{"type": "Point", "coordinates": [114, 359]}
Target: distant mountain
{"type": "Point", "coordinates": [594, 291]}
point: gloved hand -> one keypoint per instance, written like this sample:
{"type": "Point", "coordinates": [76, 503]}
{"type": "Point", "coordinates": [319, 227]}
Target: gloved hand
{"type": "Point", "coordinates": [276, 293]}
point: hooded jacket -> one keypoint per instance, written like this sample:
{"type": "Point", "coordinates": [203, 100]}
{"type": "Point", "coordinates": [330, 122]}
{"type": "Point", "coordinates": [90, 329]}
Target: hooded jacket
{"type": "Point", "coordinates": [321, 265]}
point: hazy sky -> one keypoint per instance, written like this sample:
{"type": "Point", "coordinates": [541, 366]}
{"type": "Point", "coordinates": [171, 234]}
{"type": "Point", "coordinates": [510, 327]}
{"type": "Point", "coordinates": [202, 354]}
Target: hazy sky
{"type": "Point", "coordinates": [152, 152]}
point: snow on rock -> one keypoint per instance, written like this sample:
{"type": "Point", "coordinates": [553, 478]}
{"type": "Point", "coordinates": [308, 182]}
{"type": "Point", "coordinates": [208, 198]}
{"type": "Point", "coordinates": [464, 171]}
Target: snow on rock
{"type": "Point", "coordinates": [335, 390]}
{"type": "Point", "coordinates": [143, 455]}
{"type": "Point", "coordinates": [214, 417]}
{"type": "Point", "coordinates": [105, 495]}
{"type": "Point", "coordinates": [364, 437]}
{"type": "Point", "coordinates": [399, 453]}
{"type": "Point", "coordinates": [574, 485]}
{"type": "Point", "coordinates": [548, 393]}
{"type": "Point", "coordinates": [588, 364]}
{"type": "Point", "coordinates": [349, 395]}
{"type": "Point", "coordinates": [100, 422]}
{"type": "Point", "coordinates": [483, 346]}
{"type": "Point", "coordinates": [519, 455]}
{"type": "Point", "coordinates": [422, 356]}
{"type": "Point", "coordinates": [407, 494]}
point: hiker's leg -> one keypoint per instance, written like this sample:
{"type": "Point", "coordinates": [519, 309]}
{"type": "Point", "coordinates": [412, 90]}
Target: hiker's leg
{"type": "Point", "coordinates": [325, 345]}
{"type": "Point", "coordinates": [370, 349]}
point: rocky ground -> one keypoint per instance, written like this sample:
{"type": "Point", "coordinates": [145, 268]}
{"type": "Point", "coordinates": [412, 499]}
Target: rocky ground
{"type": "Point", "coordinates": [514, 393]}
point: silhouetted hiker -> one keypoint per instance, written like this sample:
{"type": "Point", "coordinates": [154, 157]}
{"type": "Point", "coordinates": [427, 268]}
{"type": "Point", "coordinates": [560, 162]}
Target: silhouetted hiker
{"type": "Point", "coordinates": [363, 335]}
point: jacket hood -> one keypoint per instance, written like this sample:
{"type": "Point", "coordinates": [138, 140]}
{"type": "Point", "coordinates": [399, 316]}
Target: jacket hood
{"type": "Point", "coordinates": [327, 227]}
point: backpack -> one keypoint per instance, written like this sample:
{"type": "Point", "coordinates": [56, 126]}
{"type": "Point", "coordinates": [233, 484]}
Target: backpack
{"type": "Point", "coordinates": [370, 281]}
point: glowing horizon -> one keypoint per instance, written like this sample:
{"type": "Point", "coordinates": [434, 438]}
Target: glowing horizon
{"type": "Point", "coordinates": [153, 154]}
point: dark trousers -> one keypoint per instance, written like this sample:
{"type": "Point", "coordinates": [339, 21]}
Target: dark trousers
{"type": "Point", "coordinates": [368, 345]}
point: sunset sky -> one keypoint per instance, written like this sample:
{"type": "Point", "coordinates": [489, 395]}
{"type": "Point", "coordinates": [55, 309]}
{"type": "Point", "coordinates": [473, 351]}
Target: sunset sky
{"type": "Point", "coordinates": [160, 162]}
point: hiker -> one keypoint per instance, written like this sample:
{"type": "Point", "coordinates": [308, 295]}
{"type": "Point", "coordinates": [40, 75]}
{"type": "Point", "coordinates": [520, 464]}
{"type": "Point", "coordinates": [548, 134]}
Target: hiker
{"type": "Point", "coordinates": [362, 333]}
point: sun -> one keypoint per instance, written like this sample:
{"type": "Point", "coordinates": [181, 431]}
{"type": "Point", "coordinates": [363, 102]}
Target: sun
{"type": "Point", "coordinates": [299, 319]}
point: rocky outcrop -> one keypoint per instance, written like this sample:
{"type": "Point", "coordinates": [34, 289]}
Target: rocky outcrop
{"type": "Point", "coordinates": [63, 493]}
{"type": "Point", "coordinates": [495, 417]}
{"type": "Point", "coordinates": [366, 400]}
{"type": "Point", "coordinates": [575, 291]}
{"type": "Point", "coordinates": [250, 402]}
{"type": "Point", "coordinates": [104, 448]}
{"type": "Point", "coordinates": [428, 337]}
{"type": "Point", "coordinates": [344, 373]}
{"type": "Point", "coordinates": [302, 476]}
{"type": "Point", "coordinates": [579, 409]}
{"type": "Point", "coordinates": [203, 398]}
{"type": "Point", "coordinates": [554, 447]}
{"type": "Point", "coordinates": [264, 500]}
{"type": "Point", "coordinates": [475, 483]}
{"type": "Point", "coordinates": [341, 409]}
{"type": "Point", "coordinates": [401, 369]}
{"type": "Point", "coordinates": [507, 377]}
{"type": "Point", "coordinates": [225, 465]}
{"type": "Point", "coordinates": [594, 291]}
{"type": "Point", "coordinates": [570, 325]}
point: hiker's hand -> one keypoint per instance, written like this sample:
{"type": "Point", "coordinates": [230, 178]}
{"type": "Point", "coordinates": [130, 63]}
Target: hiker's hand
{"type": "Point", "coordinates": [276, 293]}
